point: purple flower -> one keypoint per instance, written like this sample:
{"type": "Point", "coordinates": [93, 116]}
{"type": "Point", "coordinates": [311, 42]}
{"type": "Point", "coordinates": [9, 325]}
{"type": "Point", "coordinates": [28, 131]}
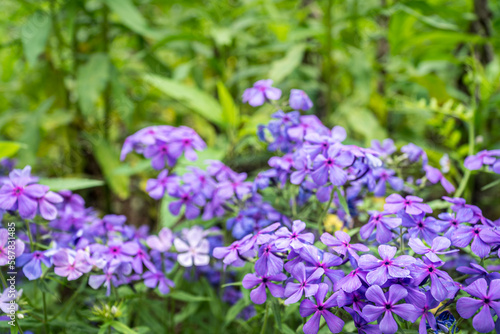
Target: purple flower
{"type": "Point", "coordinates": [260, 93]}
{"type": "Point", "coordinates": [17, 193]}
{"type": "Point", "coordinates": [293, 239]}
{"type": "Point", "coordinates": [268, 263]}
{"type": "Point", "coordinates": [46, 204]}
{"type": "Point", "coordinates": [162, 242]}
{"type": "Point", "coordinates": [294, 291]}
{"type": "Point", "coordinates": [140, 259]}
{"type": "Point", "coordinates": [467, 307]}
{"type": "Point", "coordinates": [414, 153]}
{"type": "Point", "coordinates": [385, 148]}
{"type": "Point", "coordinates": [465, 234]}
{"type": "Point", "coordinates": [189, 199]}
{"type": "Point", "coordinates": [434, 175]}
{"type": "Point", "coordinates": [424, 303]}
{"type": "Point", "coordinates": [341, 244]}
{"type": "Point", "coordinates": [420, 226]}
{"type": "Point", "coordinates": [383, 224]}
{"type": "Point", "coordinates": [69, 265]}
{"type": "Point", "coordinates": [387, 267]}
{"type": "Point", "coordinates": [361, 324]}
{"type": "Point", "coordinates": [439, 244]}
{"type": "Point", "coordinates": [185, 140]}
{"type": "Point", "coordinates": [299, 100]}
{"type": "Point", "coordinates": [411, 204]}
{"type": "Point", "coordinates": [164, 183]}
{"type": "Point", "coordinates": [320, 309]}
{"type": "Point", "coordinates": [160, 155]}
{"type": "Point", "coordinates": [7, 246]}
{"type": "Point", "coordinates": [477, 272]}
{"type": "Point", "coordinates": [199, 179]}
{"type": "Point", "coordinates": [108, 278]}
{"type": "Point", "coordinates": [237, 186]}
{"type": "Point", "coordinates": [449, 222]}
{"type": "Point", "coordinates": [232, 253]}
{"type": "Point", "coordinates": [316, 258]}
{"type": "Point", "coordinates": [475, 162]}
{"type": "Point", "coordinates": [386, 176]}
{"type": "Point", "coordinates": [116, 251]}
{"type": "Point", "coordinates": [32, 264]}
{"type": "Point", "coordinates": [421, 270]}
{"type": "Point", "coordinates": [352, 281]}
{"type": "Point", "coordinates": [195, 250]}
{"type": "Point", "coordinates": [302, 164]}
{"type": "Point", "coordinates": [6, 301]}
{"type": "Point", "coordinates": [330, 167]}
{"type": "Point", "coordinates": [386, 305]}
{"type": "Point", "coordinates": [259, 296]}
{"type": "Point", "coordinates": [157, 279]}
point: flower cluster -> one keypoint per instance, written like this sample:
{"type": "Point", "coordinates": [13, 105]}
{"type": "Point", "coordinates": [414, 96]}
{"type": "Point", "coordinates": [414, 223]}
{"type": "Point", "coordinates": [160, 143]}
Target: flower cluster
{"type": "Point", "coordinates": [490, 159]}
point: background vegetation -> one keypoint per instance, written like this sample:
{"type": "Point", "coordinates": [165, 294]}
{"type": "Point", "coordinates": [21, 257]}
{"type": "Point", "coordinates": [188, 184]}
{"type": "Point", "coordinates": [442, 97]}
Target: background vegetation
{"type": "Point", "coordinates": [78, 76]}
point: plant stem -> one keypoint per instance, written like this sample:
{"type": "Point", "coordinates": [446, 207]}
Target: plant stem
{"type": "Point", "coordinates": [401, 242]}
{"type": "Point", "coordinates": [325, 210]}
{"type": "Point", "coordinates": [265, 320]}
{"type": "Point", "coordinates": [45, 322]}
{"type": "Point", "coordinates": [30, 236]}
{"type": "Point", "coordinates": [4, 281]}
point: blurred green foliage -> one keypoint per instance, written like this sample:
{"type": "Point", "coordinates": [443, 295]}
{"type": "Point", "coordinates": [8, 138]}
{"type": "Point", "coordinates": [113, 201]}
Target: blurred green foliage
{"type": "Point", "coordinates": [78, 76]}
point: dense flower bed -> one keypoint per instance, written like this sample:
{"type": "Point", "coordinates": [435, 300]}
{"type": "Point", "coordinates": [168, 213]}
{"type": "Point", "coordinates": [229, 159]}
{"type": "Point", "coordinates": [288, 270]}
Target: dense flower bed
{"type": "Point", "coordinates": [404, 263]}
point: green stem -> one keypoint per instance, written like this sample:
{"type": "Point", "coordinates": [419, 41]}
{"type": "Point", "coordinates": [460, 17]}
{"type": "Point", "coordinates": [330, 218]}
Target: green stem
{"type": "Point", "coordinates": [30, 236]}
{"type": "Point", "coordinates": [401, 242]}
{"type": "Point", "coordinates": [19, 327]}
{"type": "Point", "coordinates": [45, 321]}
{"type": "Point", "coordinates": [325, 210]}
{"type": "Point", "coordinates": [265, 320]}
{"type": "Point", "coordinates": [4, 281]}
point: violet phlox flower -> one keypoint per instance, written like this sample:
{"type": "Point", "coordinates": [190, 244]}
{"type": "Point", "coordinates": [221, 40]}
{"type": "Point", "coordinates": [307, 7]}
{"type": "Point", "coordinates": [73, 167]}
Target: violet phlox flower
{"type": "Point", "coordinates": [164, 183]}
{"type": "Point", "coordinates": [387, 267]}
{"type": "Point", "coordinates": [19, 193]}
{"type": "Point", "coordinates": [7, 304]}
{"type": "Point", "coordinates": [194, 249]}
{"type": "Point", "coordinates": [476, 272]}
{"type": "Point", "coordinates": [434, 175]}
{"type": "Point", "coordinates": [330, 167]}
{"type": "Point", "coordinates": [410, 204]}
{"type": "Point", "coordinates": [32, 263]}
{"type": "Point", "coordinates": [107, 279]}
{"type": "Point", "coordinates": [71, 264]}
{"type": "Point", "coordinates": [422, 269]}
{"type": "Point", "coordinates": [316, 258]}
{"type": "Point", "coordinates": [269, 262]}
{"type": "Point", "coordinates": [320, 309]}
{"type": "Point", "coordinates": [463, 236]}
{"type": "Point", "coordinates": [235, 186]}
{"type": "Point", "coordinates": [200, 180]}
{"type": "Point", "coordinates": [294, 239]}
{"type": "Point", "coordinates": [385, 176]}
{"type": "Point", "coordinates": [185, 140]}
{"type": "Point", "coordinates": [439, 245]}
{"type": "Point", "coordinates": [299, 100]}
{"type": "Point", "coordinates": [9, 247]}
{"type": "Point", "coordinates": [188, 198]}
{"type": "Point", "coordinates": [232, 254]}
{"type": "Point", "coordinates": [47, 204]}
{"type": "Point", "coordinates": [420, 226]}
{"type": "Point", "coordinates": [424, 303]}
{"type": "Point", "coordinates": [158, 280]}
{"type": "Point", "coordinates": [142, 139]}
{"type": "Point", "coordinates": [414, 153]}
{"type": "Point", "coordinates": [307, 285]}
{"type": "Point", "coordinates": [142, 259]}
{"type": "Point", "coordinates": [261, 92]}
{"type": "Point", "coordinates": [475, 162]}
{"type": "Point", "coordinates": [116, 251]}
{"type": "Point", "coordinates": [341, 244]}
{"type": "Point", "coordinates": [489, 299]}
{"type": "Point", "coordinates": [362, 326]}
{"type": "Point", "coordinates": [449, 222]}
{"type": "Point", "coordinates": [258, 295]}
{"type": "Point", "coordinates": [162, 242]}
{"type": "Point", "coordinates": [383, 222]}
{"type": "Point", "coordinates": [384, 148]}
{"type": "Point", "coordinates": [386, 305]}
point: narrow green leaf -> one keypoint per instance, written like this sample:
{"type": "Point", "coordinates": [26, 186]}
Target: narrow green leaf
{"type": "Point", "coordinates": [342, 201]}
{"type": "Point", "coordinates": [490, 185]}
{"type": "Point", "coordinates": [91, 81]}
{"type": "Point", "coordinates": [57, 184]}
{"type": "Point", "coordinates": [230, 112]}
{"type": "Point", "coordinates": [9, 148]}
{"type": "Point", "coordinates": [122, 328]}
{"type": "Point", "coordinates": [186, 297]}
{"type": "Point", "coordinates": [235, 310]}
{"type": "Point", "coordinates": [277, 313]}
{"type": "Point", "coordinates": [34, 35]}
{"type": "Point", "coordinates": [280, 69]}
{"type": "Point", "coordinates": [198, 101]}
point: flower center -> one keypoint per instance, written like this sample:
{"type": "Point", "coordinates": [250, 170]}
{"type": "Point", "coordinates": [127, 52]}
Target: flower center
{"type": "Point", "coordinates": [486, 300]}
{"type": "Point", "coordinates": [431, 269]}
{"type": "Point", "coordinates": [388, 306]}
{"type": "Point", "coordinates": [320, 308]}
{"type": "Point", "coordinates": [387, 263]}
{"type": "Point", "coordinates": [18, 191]}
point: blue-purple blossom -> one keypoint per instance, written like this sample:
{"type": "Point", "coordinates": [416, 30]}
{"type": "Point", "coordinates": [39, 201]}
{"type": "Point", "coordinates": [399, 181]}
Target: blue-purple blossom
{"type": "Point", "coordinates": [341, 244]}
{"type": "Point", "coordinates": [306, 285]}
{"type": "Point", "coordinates": [299, 100]}
{"type": "Point", "coordinates": [411, 204]}
{"type": "Point", "coordinates": [32, 264]}
{"type": "Point", "coordinates": [383, 222]}
{"type": "Point", "coordinates": [295, 239]}
{"type": "Point", "coordinates": [422, 270]}
{"type": "Point", "coordinates": [439, 245]}
{"type": "Point", "coordinates": [320, 309]}
{"type": "Point", "coordinates": [258, 295]}
{"type": "Point", "coordinates": [261, 92]}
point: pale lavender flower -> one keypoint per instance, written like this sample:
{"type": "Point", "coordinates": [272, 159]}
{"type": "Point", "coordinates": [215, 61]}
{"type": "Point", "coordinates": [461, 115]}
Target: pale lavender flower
{"type": "Point", "coordinates": [71, 265]}
{"type": "Point", "coordinates": [306, 285]}
{"type": "Point", "coordinates": [411, 204]}
{"type": "Point", "coordinates": [320, 309]}
{"type": "Point", "coordinates": [261, 92]}
{"type": "Point", "coordinates": [299, 100]}
{"type": "Point", "coordinates": [258, 296]}
{"type": "Point", "coordinates": [439, 245]}
{"type": "Point", "coordinates": [341, 244]}
{"type": "Point", "coordinates": [194, 250]}
{"type": "Point", "coordinates": [162, 242]}
{"type": "Point", "coordinates": [295, 239]}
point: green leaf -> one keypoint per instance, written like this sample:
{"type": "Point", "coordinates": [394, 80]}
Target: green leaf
{"type": "Point", "coordinates": [34, 35]}
{"type": "Point", "coordinates": [9, 148]}
{"type": "Point", "coordinates": [108, 159]}
{"type": "Point", "coordinates": [197, 100]}
{"type": "Point", "coordinates": [121, 328]}
{"type": "Point", "coordinates": [286, 330]}
{"type": "Point", "coordinates": [167, 219]}
{"type": "Point", "coordinates": [280, 69]}
{"type": "Point", "coordinates": [230, 112]}
{"type": "Point", "coordinates": [490, 185]}
{"type": "Point", "coordinates": [91, 81]}
{"type": "Point", "coordinates": [186, 297]}
{"type": "Point", "coordinates": [342, 201]}
{"type": "Point", "coordinates": [57, 184]}
{"type": "Point", "coordinates": [235, 310]}
{"type": "Point", "coordinates": [277, 313]}
{"type": "Point", "coordinates": [132, 18]}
